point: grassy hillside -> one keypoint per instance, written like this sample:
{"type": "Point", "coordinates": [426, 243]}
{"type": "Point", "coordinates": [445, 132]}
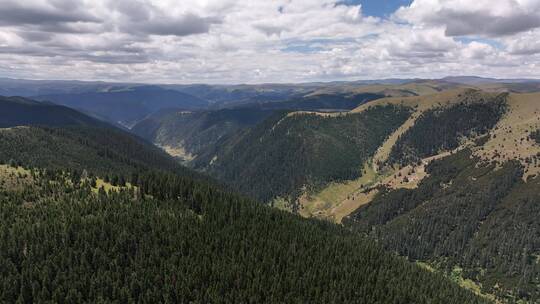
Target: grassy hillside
{"type": "Point", "coordinates": [438, 123]}
{"type": "Point", "coordinates": [289, 154]}
{"type": "Point", "coordinates": [463, 194]}
{"type": "Point", "coordinates": [511, 137]}
{"type": "Point", "coordinates": [444, 128]}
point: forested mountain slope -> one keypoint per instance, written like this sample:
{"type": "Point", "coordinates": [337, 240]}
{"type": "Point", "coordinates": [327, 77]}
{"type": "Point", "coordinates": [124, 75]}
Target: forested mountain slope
{"type": "Point", "coordinates": [438, 124]}
{"type": "Point", "coordinates": [461, 192]}
{"type": "Point", "coordinates": [224, 95]}
{"type": "Point", "coordinates": [318, 102]}
{"type": "Point", "coordinates": [452, 181]}
{"type": "Point", "coordinates": [16, 111]}
{"type": "Point", "coordinates": [77, 148]}
{"type": "Point", "coordinates": [298, 153]}
{"type": "Point", "coordinates": [468, 216]}
{"type": "Point", "coordinates": [166, 237]}
{"type": "Point", "coordinates": [287, 154]}
{"type": "Point", "coordinates": [444, 128]}
{"type": "Point", "coordinates": [187, 134]}
{"type": "Point", "coordinates": [40, 134]}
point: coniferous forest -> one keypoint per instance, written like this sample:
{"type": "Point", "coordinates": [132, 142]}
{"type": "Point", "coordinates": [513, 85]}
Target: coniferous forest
{"type": "Point", "coordinates": [287, 152]}
{"type": "Point", "coordinates": [467, 216]}
{"type": "Point", "coordinates": [168, 237]}
{"type": "Point", "coordinates": [66, 244]}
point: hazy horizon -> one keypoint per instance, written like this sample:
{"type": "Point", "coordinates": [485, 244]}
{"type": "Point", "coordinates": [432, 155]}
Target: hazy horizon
{"type": "Point", "coordinates": [367, 80]}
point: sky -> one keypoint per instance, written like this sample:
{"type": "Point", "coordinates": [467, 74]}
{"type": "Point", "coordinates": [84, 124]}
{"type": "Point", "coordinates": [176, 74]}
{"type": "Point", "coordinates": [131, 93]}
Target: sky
{"type": "Point", "coordinates": [262, 41]}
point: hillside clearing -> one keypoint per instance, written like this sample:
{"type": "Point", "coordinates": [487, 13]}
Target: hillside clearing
{"type": "Point", "coordinates": [108, 187]}
{"type": "Point", "coordinates": [178, 152]}
{"type": "Point", "coordinates": [335, 201]}
{"type": "Point", "coordinates": [14, 178]}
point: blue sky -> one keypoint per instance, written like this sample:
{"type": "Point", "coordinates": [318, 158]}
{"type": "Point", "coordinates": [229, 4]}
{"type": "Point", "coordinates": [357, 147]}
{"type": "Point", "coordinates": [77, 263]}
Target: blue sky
{"type": "Point", "coordinates": [379, 8]}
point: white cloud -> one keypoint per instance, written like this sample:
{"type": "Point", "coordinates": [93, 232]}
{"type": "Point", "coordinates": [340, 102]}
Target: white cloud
{"type": "Point", "coordinates": [524, 44]}
{"type": "Point", "coordinates": [230, 41]}
{"type": "Point", "coordinates": [479, 17]}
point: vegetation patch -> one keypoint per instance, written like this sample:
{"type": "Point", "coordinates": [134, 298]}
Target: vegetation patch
{"type": "Point", "coordinates": [535, 136]}
{"type": "Point", "coordinates": [15, 178]}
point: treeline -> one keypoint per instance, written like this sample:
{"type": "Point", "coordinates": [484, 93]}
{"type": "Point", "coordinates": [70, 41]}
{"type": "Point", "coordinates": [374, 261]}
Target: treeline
{"type": "Point", "coordinates": [443, 128]}
{"type": "Point", "coordinates": [288, 154]}
{"type": "Point", "coordinates": [174, 240]}
{"type": "Point", "coordinates": [465, 215]}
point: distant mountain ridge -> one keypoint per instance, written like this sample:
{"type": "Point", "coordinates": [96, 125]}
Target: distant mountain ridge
{"type": "Point", "coordinates": [483, 80]}
{"type": "Point", "coordinates": [19, 111]}
{"type": "Point", "coordinates": [129, 105]}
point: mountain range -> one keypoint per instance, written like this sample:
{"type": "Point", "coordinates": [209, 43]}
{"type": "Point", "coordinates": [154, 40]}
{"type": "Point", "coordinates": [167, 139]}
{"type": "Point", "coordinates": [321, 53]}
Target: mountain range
{"type": "Point", "coordinates": [413, 191]}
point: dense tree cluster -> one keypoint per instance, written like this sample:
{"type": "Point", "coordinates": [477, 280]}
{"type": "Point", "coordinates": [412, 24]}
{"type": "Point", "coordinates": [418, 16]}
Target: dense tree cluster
{"type": "Point", "coordinates": [535, 136]}
{"type": "Point", "coordinates": [174, 240]}
{"type": "Point", "coordinates": [286, 154]}
{"type": "Point", "coordinates": [441, 129]}
{"type": "Point", "coordinates": [466, 214]}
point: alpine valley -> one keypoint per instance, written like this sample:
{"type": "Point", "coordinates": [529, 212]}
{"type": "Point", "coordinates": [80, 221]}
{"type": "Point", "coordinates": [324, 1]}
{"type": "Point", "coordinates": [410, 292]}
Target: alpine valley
{"type": "Point", "coordinates": [383, 191]}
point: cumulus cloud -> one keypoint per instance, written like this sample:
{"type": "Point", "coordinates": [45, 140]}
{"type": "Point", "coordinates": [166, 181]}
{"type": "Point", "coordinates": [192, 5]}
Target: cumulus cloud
{"type": "Point", "coordinates": [480, 17]}
{"type": "Point", "coordinates": [229, 41]}
{"type": "Point", "coordinates": [145, 18]}
{"type": "Point", "coordinates": [524, 44]}
{"type": "Point", "coordinates": [17, 13]}
{"type": "Point", "coordinates": [185, 25]}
